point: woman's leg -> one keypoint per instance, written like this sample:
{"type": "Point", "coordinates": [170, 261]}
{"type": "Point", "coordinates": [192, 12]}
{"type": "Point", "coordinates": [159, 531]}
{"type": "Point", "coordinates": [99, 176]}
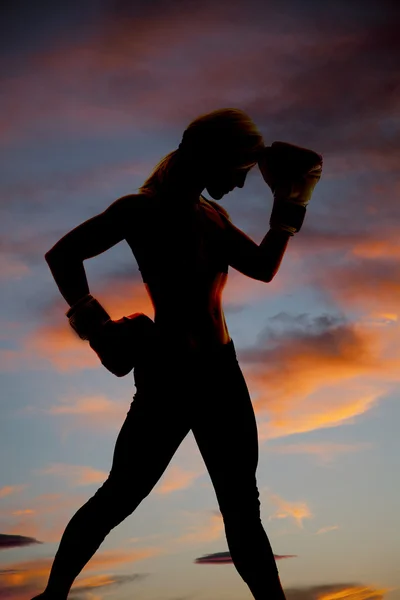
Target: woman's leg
{"type": "Point", "coordinates": [154, 428]}
{"type": "Point", "coordinates": [225, 430]}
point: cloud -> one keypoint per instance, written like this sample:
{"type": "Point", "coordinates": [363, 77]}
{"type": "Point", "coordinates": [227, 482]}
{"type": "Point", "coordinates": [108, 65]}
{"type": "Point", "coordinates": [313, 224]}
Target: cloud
{"type": "Point", "coordinates": [321, 372]}
{"type": "Point", "coordinates": [26, 511]}
{"type": "Point", "coordinates": [336, 591]}
{"type": "Point", "coordinates": [206, 528]}
{"type": "Point", "coordinates": [298, 511]}
{"type": "Point", "coordinates": [16, 541]}
{"type": "Point", "coordinates": [325, 452]}
{"type": "Point", "coordinates": [22, 579]}
{"type": "Point", "coordinates": [87, 584]}
{"type": "Point", "coordinates": [11, 268]}
{"type": "Point", "coordinates": [7, 490]}
{"type": "Point", "coordinates": [326, 529]}
{"type": "Point", "coordinates": [358, 278]}
{"type": "Point", "coordinates": [34, 190]}
{"type": "Point", "coordinates": [305, 373]}
{"type": "Point", "coordinates": [111, 54]}
{"type": "Point", "coordinates": [53, 343]}
{"type": "Point", "coordinates": [223, 558]}
{"type": "Point", "coordinates": [90, 411]}
{"type": "Point", "coordinates": [44, 520]}
{"type": "Point", "coordinates": [241, 291]}
{"type": "Point", "coordinates": [75, 474]}
{"type": "Point", "coordinates": [119, 78]}
{"type": "Point", "coordinates": [366, 284]}
{"type": "Point", "coordinates": [175, 479]}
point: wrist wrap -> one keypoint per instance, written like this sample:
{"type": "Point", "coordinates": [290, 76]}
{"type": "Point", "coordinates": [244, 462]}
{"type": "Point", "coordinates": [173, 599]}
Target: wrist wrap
{"type": "Point", "coordinates": [287, 215]}
{"type": "Point", "coordinates": [87, 316]}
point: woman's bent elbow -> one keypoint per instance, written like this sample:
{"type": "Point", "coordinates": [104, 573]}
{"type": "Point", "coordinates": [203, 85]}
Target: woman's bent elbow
{"type": "Point", "coordinates": [268, 276]}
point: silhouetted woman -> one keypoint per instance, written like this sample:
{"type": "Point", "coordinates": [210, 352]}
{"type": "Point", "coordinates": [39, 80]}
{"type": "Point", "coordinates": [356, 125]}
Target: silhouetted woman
{"type": "Point", "coordinates": [188, 378]}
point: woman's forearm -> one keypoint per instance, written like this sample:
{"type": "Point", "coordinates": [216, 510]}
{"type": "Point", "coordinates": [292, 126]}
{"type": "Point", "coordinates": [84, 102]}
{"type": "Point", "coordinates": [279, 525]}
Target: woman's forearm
{"type": "Point", "coordinates": [70, 277]}
{"type": "Point", "coordinates": [273, 246]}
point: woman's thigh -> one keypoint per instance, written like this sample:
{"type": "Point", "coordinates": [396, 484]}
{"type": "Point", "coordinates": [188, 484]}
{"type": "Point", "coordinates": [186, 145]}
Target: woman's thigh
{"type": "Point", "coordinates": [225, 429]}
{"type": "Point", "coordinates": [154, 428]}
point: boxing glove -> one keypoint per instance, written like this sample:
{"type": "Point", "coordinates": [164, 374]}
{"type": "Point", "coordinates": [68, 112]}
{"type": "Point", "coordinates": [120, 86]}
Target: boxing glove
{"type": "Point", "coordinates": [120, 343]}
{"type": "Point", "coordinates": [86, 316]}
{"type": "Point", "coordinates": [292, 173]}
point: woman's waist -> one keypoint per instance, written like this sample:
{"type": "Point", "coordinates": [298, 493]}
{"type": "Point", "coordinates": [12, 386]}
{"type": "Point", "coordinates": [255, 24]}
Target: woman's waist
{"type": "Point", "coordinates": [188, 318]}
{"type": "Point", "coordinates": [169, 358]}
{"type": "Point", "coordinates": [176, 340]}
{"type": "Point", "coordinates": [194, 294]}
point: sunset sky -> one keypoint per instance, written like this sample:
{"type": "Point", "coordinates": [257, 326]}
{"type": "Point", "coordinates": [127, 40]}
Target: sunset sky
{"type": "Point", "coordinates": [92, 95]}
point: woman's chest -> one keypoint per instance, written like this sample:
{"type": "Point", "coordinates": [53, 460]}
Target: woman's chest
{"type": "Point", "coordinates": [169, 242]}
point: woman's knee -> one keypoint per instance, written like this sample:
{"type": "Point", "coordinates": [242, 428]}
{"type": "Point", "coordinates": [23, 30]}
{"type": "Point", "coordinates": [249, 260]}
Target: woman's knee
{"type": "Point", "coordinates": [117, 498]}
{"type": "Point", "coordinates": [236, 507]}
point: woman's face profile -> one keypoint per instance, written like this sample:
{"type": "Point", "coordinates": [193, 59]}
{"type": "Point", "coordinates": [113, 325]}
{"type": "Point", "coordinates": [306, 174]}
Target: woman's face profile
{"type": "Point", "coordinates": [225, 178]}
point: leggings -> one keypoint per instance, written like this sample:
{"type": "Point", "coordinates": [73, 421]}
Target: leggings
{"type": "Point", "coordinates": [201, 391]}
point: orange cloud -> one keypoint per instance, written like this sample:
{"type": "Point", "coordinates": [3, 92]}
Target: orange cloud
{"type": "Point", "coordinates": [77, 475]}
{"type": "Point", "coordinates": [7, 490]}
{"type": "Point", "coordinates": [356, 593]}
{"type": "Point", "coordinates": [44, 520]}
{"type": "Point", "coordinates": [336, 592]}
{"type": "Point", "coordinates": [61, 347]}
{"type": "Point", "coordinates": [298, 511]}
{"type": "Point", "coordinates": [90, 411]}
{"type": "Point", "coordinates": [57, 345]}
{"type": "Point", "coordinates": [26, 511]}
{"type": "Point", "coordinates": [320, 376]}
{"type": "Point", "coordinates": [359, 271]}
{"type": "Point", "coordinates": [19, 578]}
{"type": "Point", "coordinates": [115, 558]}
{"type": "Point", "coordinates": [175, 479]}
{"type": "Point", "coordinates": [387, 247]}
{"type": "Point", "coordinates": [366, 284]}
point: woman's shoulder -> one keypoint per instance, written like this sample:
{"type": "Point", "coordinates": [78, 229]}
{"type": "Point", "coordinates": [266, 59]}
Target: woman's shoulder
{"type": "Point", "coordinates": [137, 203]}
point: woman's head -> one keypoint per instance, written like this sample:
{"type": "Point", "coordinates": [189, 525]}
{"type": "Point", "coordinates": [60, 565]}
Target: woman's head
{"type": "Point", "coordinates": [217, 147]}
{"type": "Point", "coordinates": [225, 136]}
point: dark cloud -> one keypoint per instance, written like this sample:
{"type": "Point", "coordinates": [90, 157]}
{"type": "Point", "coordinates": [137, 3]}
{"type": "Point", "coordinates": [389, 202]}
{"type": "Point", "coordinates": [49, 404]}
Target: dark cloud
{"type": "Point", "coordinates": [16, 541]}
{"type": "Point", "coordinates": [305, 321]}
{"type": "Point", "coordinates": [222, 558]}
{"type": "Point", "coordinates": [352, 54]}
{"type": "Point", "coordinates": [32, 25]}
{"type": "Point", "coordinates": [306, 54]}
{"type": "Point", "coordinates": [324, 333]}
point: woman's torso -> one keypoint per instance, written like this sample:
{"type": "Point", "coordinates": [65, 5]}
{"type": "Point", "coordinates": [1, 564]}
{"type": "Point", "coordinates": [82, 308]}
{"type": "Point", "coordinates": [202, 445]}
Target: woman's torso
{"type": "Point", "coordinates": [180, 254]}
